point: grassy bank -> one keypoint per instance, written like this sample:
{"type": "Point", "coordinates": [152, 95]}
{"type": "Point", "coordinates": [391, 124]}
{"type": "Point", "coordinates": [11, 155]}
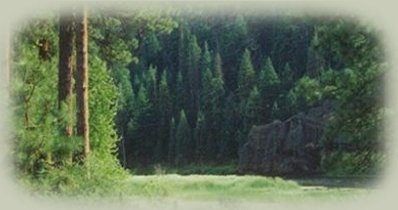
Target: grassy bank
{"type": "Point", "coordinates": [236, 188]}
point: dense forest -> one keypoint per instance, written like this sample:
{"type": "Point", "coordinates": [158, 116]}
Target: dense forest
{"type": "Point", "coordinates": [178, 90]}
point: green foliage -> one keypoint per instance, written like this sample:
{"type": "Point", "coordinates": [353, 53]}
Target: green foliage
{"type": "Point", "coordinates": [153, 21]}
{"type": "Point", "coordinates": [206, 59]}
{"type": "Point", "coordinates": [183, 140]}
{"type": "Point", "coordinates": [341, 163]}
{"type": "Point", "coordinates": [179, 94]}
{"type": "Point", "coordinates": [268, 76]}
{"type": "Point", "coordinates": [151, 46]}
{"type": "Point", "coordinates": [233, 40]}
{"type": "Point", "coordinates": [35, 112]}
{"type": "Point", "coordinates": [109, 34]}
{"type": "Point", "coordinates": [358, 89]}
{"type": "Point", "coordinates": [269, 89]}
{"type": "Point", "coordinates": [253, 107]}
{"type": "Point", "coordinates": [315, 61]}
{"type": "Point", "coordinates": [246, 75]}
{"type": "Point", "coordinates": [308, 90]}
{"type": "Point", "coordinates": [286, 76]}
{"type": "Point", "coordinates": [158, 80]}
{"type": "Point", "coordinates": [193, 79]}
{"type": "Point", "coordinates": [42, 152]}
{"type": "Point", "coordinates": [164, 106]}
{"type": "Point", "coordinates": [102, 108]}
{"type": "Point", "coordinates": [98, 177]}
{"type": "Point", "coordinates": [217, 69]}
{"type": "Point", "coordinates": [172, 141]}
{"type": "Point", "coordinates": [199, 138]}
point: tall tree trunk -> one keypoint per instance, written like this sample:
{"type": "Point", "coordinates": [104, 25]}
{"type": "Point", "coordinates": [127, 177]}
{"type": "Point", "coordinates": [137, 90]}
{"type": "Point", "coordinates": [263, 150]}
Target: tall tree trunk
{"type": "Point", "coordinates": [65, 69]}
{"type": "Point", "coordinates": [82, 78]}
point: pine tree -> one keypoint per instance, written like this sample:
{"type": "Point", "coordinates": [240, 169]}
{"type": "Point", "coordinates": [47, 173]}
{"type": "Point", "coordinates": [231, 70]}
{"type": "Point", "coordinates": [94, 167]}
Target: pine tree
{"type": "Point", "coordinates": [286, 77]}
{"type": "Point", "coordinates": [179, 95]}
{"type": "Point", "coordinates": [251, 115]}
{"type": "Point", "coordinates": [217, 68]}
{"type": "Point", "coordinates": [268, 83]}
{"type": "Point", "coordinates": [231, 126]}
{"type": "Point", "coordinates": [151, 47]}
{"type": "Point", "coordinates": [205, 64]}
{"type": "Point", "coordinates": [199, 138]}
{"type": "Point", "coordinates": [315, 61]}
{"type": "Point", "coordinates": [151, 84]}
{"type": "Point", "coordinates": [213, 94]}
{"type": "Point", "coordinates": [268, 77]}
{"type": "Point", "coordinates": [125, 102]}
{"type": "Point", "coordinates": [207, 90]}
{"type": "Point", "coordinates": [246, 76]}
{"type": "Point", "coordinates": [217, 82]}
{"type": "Point", "coordinates": [183, 140]}
{"type": "Point", "coordinates": [35, 100]}
{"type": "Point", "coordinates": [142, 137]}
{"type": "Point", "coordinates": [194, 53]}
{"type": "Point", "coordinates": [65, 70]}
{"type": "Point", "coordinates": [82, 79]}
{"type": "Point", "coordinates": [285, 101]}
{"type": "Point", "coordinates": [171, 153]}
{"type": "Point", "coordinates": [182, 50]}
{"type": "Point", "coordinates": [164, 113]}
{"type": "Point", "coordinates": [234, 40]}
{"type": "Point", "coordinates": [252, 109]}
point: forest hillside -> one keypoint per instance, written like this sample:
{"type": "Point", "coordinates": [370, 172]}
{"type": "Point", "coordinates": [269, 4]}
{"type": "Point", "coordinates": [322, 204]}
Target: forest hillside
{"type": "Point", "coordinates": [106, 93]}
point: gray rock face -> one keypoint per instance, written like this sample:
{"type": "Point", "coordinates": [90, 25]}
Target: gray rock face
{"type": "Point", "coordinates": [286, 148]}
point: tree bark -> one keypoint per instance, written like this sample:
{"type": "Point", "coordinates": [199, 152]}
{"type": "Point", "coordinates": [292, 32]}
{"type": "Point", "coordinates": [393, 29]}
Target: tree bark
{"type": "Point", "coordinates": [65, 68]}
{"type": "Point", "coordinates": [82, 79]}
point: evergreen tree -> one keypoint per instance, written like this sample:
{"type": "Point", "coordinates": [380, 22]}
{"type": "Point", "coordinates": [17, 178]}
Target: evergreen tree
{"type": "Point", "coordinates": [33, 81]}
{"type": "Point", "coordinates": [252, 109]}
{"type": "Point", "coordinates": [217, 69]}
{"type": "Point", "coordinates": [125, 103]}
{"type": "Point", "coordinates": [82, 79]}
{"type": "Point", "coordinates": [65, 65]}
{"type": "Point", "coordinates": [231, 126]}
{"type": "Point", "coordinates": [164, 110]}
{"type": "Point", "coordinates": [183, 140]}
{"type": "Point", "coordinates": [171, 153]}
{"type": "Point", "coordinates": [217, 83]}
{"type": "Point", "coordinates": [207, 91]}
{"type": "Point", "coordinates": [286, 77]}
{"type": "Point", "coordinates": [151, 84]}
{"type": "Point", "coordinates": [286, 99]}
{"type": "Point", "coordinates": [315, 61]}
{"type": "Point", "coordinates": [234, 40]}
{"type": "Point", "coordinates": [199, 138]}
{"type": "Point", "coordinates": [182, 50]}
{"type": "Point", "coordinates": [151, 48]}
{"type": "Point", "coordinates": [65, 70]}
{"type": "Point", "coordinates": [194, 53]}
{"type": "Point", "coordinates": [215, 117]}
{"type": "Point", "coordinates": [246, 76]}
{"type": "Point", "coordinates": [179, 98]}
{"type": "Point", "coordinates": [205, 64]}
{"type": "Point", "coordinates": [141, 138]}
{"type": "Point", "coordinates": [268, 83]}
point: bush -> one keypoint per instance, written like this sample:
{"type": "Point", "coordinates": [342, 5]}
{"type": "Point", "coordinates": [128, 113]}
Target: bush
{"type": "Point", "coordinates": [350, 163]}
{"type": "Point", "coordinates": [97, 177]}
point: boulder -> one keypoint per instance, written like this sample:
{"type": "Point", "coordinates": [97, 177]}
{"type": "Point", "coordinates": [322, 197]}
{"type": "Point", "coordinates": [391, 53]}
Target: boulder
{"type": "Point", "coordinates": [288, 148]}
